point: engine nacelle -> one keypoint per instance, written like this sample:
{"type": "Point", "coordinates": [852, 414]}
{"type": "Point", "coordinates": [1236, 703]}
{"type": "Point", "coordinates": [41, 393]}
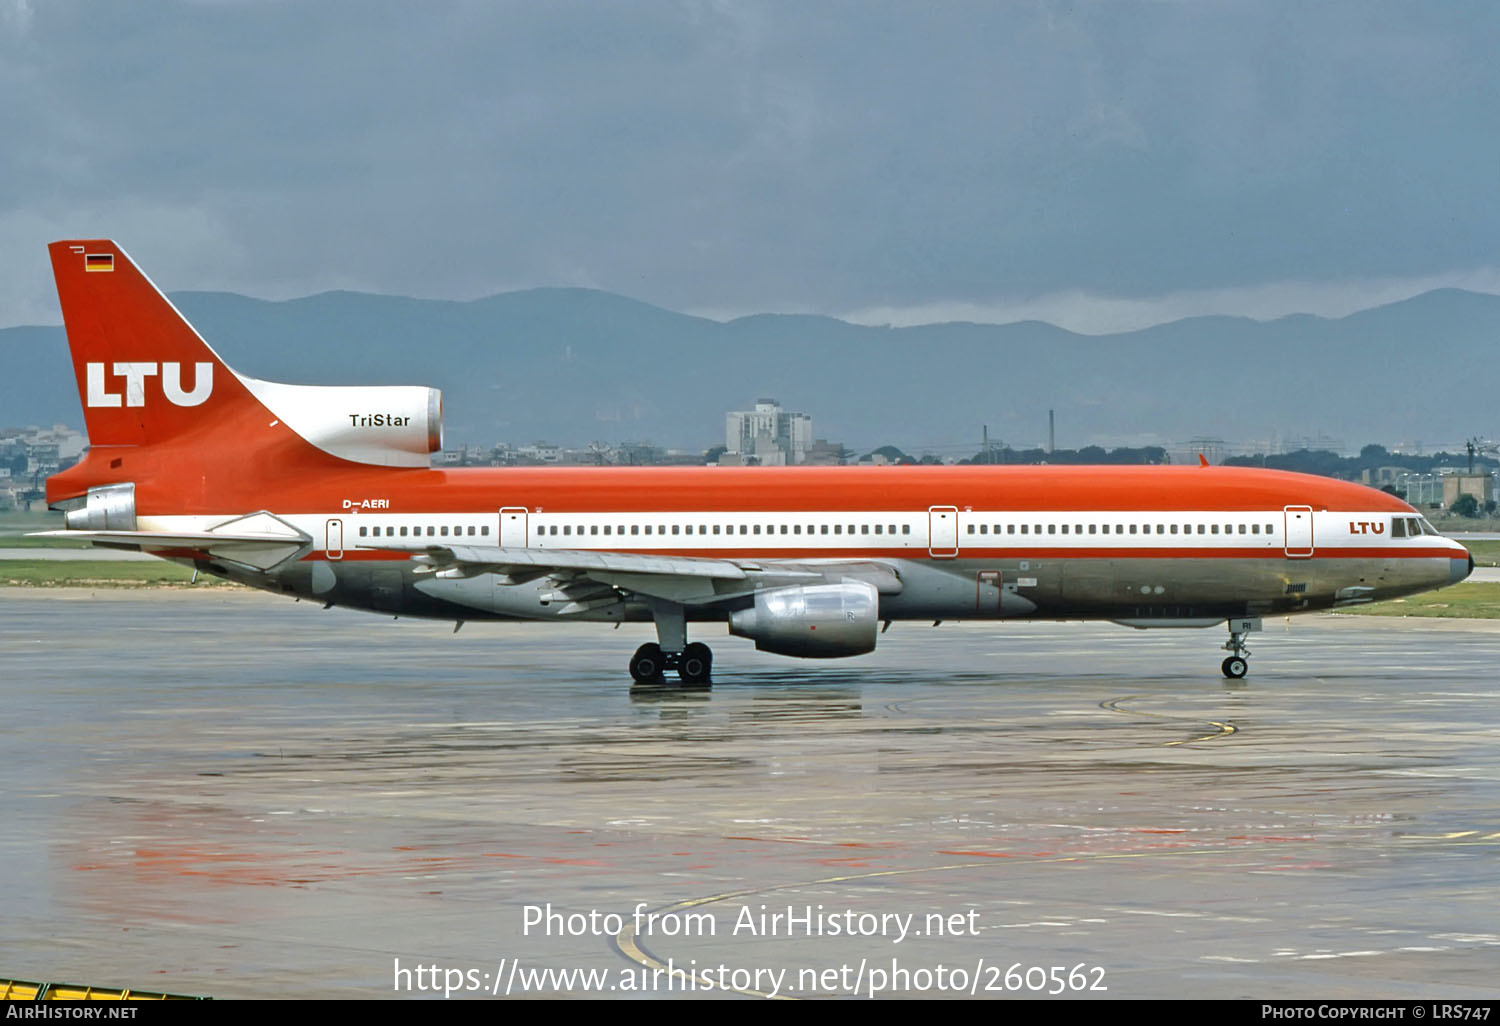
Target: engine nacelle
{"type": "Point", "coordinates": [815, 621]}
{"type": "Point", "coordinates": [387, 425]}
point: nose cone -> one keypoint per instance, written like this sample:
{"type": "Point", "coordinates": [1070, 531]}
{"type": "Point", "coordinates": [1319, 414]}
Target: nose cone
{"type": "Point", "coordinates": [1458, 569]}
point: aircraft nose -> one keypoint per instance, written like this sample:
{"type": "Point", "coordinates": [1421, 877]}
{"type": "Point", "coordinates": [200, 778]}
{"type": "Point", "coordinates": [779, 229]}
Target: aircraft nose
{"type": "Point", "coordinates": [1458, 569]}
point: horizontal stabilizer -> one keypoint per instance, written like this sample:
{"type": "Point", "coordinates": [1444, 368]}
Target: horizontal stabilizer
{"type": "Point", "coordinates": [259, 541]}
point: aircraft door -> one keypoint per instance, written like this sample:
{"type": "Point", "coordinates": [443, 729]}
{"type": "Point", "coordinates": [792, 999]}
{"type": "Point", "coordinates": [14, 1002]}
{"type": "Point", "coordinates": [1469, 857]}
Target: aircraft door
{"type": "Point", "coordinates": [1299, 532]}
{"type": "Point", "coordinates": [942, 531]}
{"type": "Point", "coordinates": [333, 541]}
{"type": "Point", "coordinates": [513, 527]}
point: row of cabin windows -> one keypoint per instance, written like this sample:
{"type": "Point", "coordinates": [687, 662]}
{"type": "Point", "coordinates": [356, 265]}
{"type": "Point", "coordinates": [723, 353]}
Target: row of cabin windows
{"type": "Point", "coordinates": [432, 532]}
{"type": "Point", "coordinates": [1122, 529]}
{"type": "Point", "coordinates": [551, 530]}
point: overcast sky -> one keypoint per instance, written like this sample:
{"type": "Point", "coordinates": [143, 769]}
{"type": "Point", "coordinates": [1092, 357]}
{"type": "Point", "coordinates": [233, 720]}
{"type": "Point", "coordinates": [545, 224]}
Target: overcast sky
{"type": "Point", "coordinates": [1099, 165]}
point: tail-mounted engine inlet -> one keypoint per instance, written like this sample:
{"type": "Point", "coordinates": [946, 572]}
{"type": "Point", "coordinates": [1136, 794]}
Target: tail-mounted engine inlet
{"type": "Point", "coordinates": [108, 508]}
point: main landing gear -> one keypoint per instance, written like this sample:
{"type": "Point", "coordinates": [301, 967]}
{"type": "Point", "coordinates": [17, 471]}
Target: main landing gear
{"type": "Point", "coordinates": [694, 664]}
{"type": "Point", "coordinates": [1238, 663]}
{"type": "Point", "coordinates": [671, 652]}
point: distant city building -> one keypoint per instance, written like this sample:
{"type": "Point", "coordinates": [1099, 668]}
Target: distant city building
{"type": "Point", "coordinates": [33, 454]}
{"type": "Point", "coordinates": [1212, 449]}
{"type": "Point", "coordinates": [767, 435]}
{"type": "Point", "coordinates": [1456, 484]}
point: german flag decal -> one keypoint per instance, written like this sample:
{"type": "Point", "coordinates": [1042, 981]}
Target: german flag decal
{"type": "Point", "coordinates": [99, 262]}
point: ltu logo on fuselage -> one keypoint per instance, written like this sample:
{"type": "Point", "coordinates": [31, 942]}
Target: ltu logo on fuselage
{"type": "Point", "coordinates": [135, 375]}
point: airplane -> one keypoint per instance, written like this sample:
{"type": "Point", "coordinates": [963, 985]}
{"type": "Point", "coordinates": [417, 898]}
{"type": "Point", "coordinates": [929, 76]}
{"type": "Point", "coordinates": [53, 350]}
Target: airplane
{"type": "Point", "coordinates": [328, 493]}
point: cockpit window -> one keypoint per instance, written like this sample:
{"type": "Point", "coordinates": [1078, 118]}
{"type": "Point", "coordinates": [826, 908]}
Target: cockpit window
{"type": "Point", "coordinates": [1398, 527]}
{"type": "Point", "coordinates": [1426, 527]}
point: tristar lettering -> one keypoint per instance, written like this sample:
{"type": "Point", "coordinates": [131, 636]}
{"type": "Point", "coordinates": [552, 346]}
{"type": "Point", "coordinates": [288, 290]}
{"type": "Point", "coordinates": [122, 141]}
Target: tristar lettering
{"type": "Point", "coordinates": [378, 420]}
{"type": "Point", "coordinates": [135, 375]}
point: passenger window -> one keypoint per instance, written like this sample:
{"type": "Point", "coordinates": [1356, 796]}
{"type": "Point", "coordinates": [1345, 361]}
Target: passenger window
{"type": "Point", "coordinates": [635, 529]}
{"type": "Point", "coordinates": [445, 532]}
{"type": "Point", "coordinates": [676, 529]}
{"type": "Point", "coordinates": [783, 529]}
{"type": "Point", "coordinates": [1064, 528]}
{"type": "Point", "coordinates": [1214, 528]}
{"type": "Point", "coordinates": [363, 531]}
{"type": "Point", "coordinates": [485, 530]}
{"type": "Point", "coordinates": [744, 529]}
{"type": "Point", "coordinates": [1010, 528]}
{"type": "Point", "coordinates": [971, 529]}
{"type": "Point", "coordinates": [824, 529]}
{"type": "Point", "coordinates": [1255, 529]}
{"type": "Point", "coordinates": [403, 532]}
{"type": "Point", "coordinates": [1132, 529]}
{"type": "Point", "coordinates": [716, 529]}
{"type": "Point", "coordinates": [796, 528]}
{"type": "Point", "coordinates": [906, 529]}
{"type": "Point", "coordinates": [1174, 528]}
{"type": "Point", "coordinates": [757, 529]}
{"type": "Point", "coordinates": [877, 528]}
{"type": "Point", "coordinates": [606, 529]}
{"type": "Point", "coordinates": [1242, 529]}
{"type": "Point", "coordinates": [592, 530]}
{"type": "Point", "coordinates": [1024, 529]}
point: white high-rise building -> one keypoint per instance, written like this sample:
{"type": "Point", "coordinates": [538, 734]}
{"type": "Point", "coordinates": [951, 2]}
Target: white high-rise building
{"type": "Point", "coordinates": [769, 433]}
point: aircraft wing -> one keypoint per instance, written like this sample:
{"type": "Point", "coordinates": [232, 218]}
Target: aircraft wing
{"type": "Point", "coordinates": [689, 580]}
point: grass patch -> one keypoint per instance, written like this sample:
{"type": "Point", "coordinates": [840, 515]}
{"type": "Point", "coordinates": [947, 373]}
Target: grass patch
{"type": "Point", "coordinates": [20, 541]}
{"type": "Point", "coordinates": [46, 573]}
{"type": "Point", "coordinates": [1472, 600]}
{"type": "Point", "coordinates": [1485, 553]}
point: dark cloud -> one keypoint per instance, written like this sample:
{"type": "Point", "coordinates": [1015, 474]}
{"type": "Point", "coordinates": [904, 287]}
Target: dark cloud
{"type": "Point", "coordinates": [826, 156]}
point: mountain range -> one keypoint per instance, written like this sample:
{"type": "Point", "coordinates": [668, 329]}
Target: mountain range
{"type": "Point", "coordinates": [575, 365]}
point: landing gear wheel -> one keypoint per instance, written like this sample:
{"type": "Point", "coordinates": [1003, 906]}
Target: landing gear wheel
{"type": "Point", "coordinates": [647, 663]}
{"type": "Point", "coordinates": [1234, 667]}
{"type": "Point", "coordinates": [695, 664]}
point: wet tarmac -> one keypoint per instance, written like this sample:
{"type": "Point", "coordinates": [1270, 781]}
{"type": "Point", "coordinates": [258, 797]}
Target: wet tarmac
{"type": "Point", "coordinates": [230, 794]}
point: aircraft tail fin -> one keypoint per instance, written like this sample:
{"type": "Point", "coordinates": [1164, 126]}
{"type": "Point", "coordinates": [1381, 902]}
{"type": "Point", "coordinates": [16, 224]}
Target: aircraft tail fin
{"type": "Point", "coordinates": [144, 375]}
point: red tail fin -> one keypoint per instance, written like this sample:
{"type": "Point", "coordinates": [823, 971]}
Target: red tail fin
{"type": "Point", "coordinates": [144, 375]}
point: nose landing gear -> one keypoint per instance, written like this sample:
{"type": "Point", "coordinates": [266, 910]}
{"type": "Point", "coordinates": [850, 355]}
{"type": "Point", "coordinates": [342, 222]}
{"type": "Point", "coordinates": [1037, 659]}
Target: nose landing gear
{"type": "Point", "coordinates": [1238, 663]}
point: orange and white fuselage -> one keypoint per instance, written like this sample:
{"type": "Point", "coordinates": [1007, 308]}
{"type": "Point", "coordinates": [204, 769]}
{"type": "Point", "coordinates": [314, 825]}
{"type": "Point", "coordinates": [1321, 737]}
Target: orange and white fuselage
{"type": "Point", "coordinates": [326, 493]}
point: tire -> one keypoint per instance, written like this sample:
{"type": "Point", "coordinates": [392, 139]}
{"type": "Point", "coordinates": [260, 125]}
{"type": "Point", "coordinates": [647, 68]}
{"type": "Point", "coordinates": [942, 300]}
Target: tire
{"type": "Point", "coordinates": [1235, 667]}
{"type": "Point", "coordinates": [696, 664]}
{"type": "Point", "coordinates": [646, 665]}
